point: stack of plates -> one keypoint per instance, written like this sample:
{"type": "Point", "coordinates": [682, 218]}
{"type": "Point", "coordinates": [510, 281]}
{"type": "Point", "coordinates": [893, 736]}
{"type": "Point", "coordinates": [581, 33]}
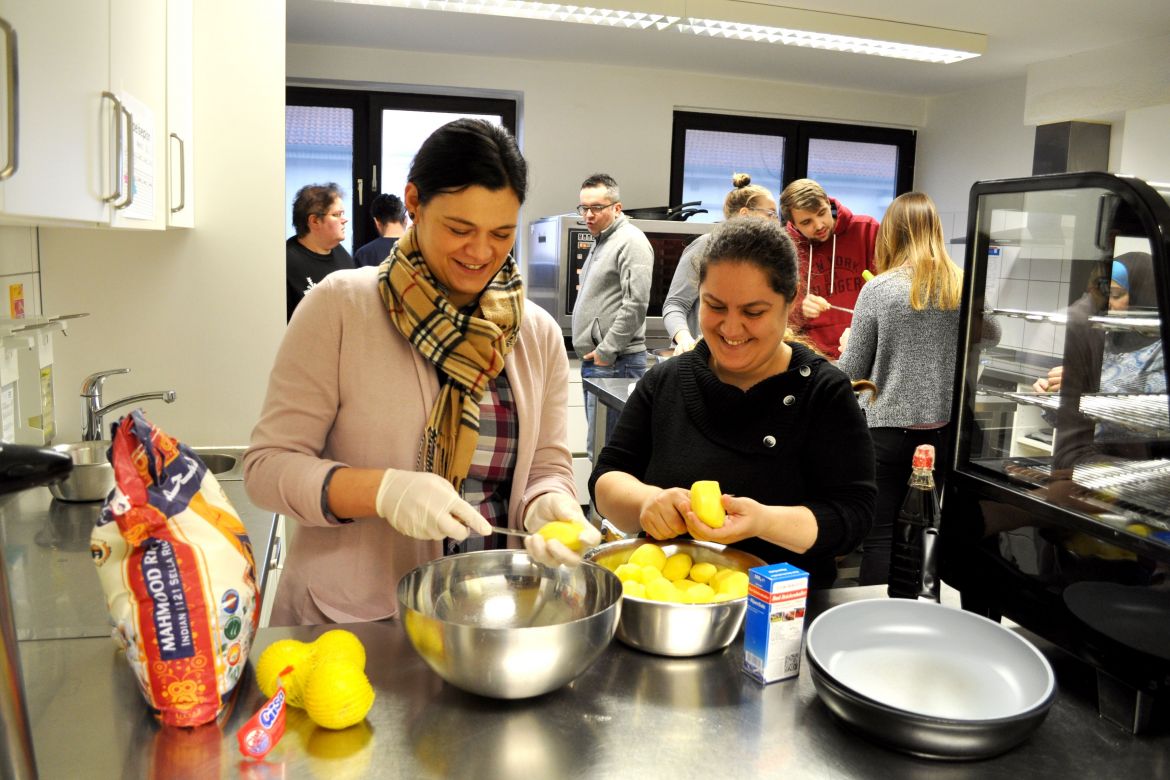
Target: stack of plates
{"type": "Point", "coordinates": [928, 679]}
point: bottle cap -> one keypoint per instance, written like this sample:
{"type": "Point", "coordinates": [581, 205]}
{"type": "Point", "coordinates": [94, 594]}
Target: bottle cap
{"type": "Point", "coordinates": [923, 457]}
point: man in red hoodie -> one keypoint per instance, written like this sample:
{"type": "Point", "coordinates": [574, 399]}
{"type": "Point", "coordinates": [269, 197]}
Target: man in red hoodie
{"type": "Point", "coordinates": [834, 246]}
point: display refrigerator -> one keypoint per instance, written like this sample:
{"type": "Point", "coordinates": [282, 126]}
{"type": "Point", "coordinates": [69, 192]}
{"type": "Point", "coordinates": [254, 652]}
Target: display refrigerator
{"type": "Point", "coordinates": [1056, 513]}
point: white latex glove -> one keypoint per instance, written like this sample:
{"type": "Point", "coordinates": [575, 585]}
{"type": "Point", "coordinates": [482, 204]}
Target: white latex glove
{"type": "Point", "coordinates": [543, 510]}
{"type": "Point", "coordinates": [425, 506]}
{"type": "Point", "coordinates": [683, 342]}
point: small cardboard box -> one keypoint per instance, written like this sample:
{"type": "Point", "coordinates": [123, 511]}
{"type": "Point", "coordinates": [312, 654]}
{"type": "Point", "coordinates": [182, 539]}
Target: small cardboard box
{"type": "Point", "coordinates": [774, 625]}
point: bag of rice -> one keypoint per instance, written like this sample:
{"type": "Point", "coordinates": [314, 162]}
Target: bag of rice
{"type": "Point", "coordinates": [177, 569]}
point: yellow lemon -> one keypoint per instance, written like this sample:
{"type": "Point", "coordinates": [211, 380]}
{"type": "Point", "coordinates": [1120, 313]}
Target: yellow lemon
{"type": "Point", "coordinates": [676, 567]}
{"type": "Point", "coordinates": [702, 572]}
{"type": "Point", "coordinates": [341, 645]}
{"type": "Point", "coordinates": [649, 555]}
{"type": "Point", "coordinates": [634, 588]}
{"type": "Point", "coordinates": [426, 633]}
{"type": "Point", "coordinates": [725, 597]}
{"type": "Point", "coordinates": [707, 502]}
{"type": "Point", "coordinates": [628, 571]}
{"type": "Point", "coordinates": [684, 585]}
{"type": "Point", "coordinates": [662, 590]}
{"type": "Point", "coordinates": [650, 574]}
{"type": "Point", "coordinates": [735, 583]}
{"type": "Point", "coordinates": [338, 695]}
{"type": "Point", "coordinates": [566, 532]}
{"type": "Point", "coordinates": [278, 655]}
{"type": "Point", "coordinates": [699, 594]}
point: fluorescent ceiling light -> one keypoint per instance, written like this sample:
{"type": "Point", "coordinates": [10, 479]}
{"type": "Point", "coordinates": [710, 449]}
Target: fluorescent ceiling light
{"type": "Point", "coordinates": [736, 19]}
{"type": "Point", "coordinates": [650, 13]}
{"type": "Point", "coordinates": [833, 32]}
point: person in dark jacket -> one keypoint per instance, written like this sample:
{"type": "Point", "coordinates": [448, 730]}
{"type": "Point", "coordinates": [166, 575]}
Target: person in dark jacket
{"type": "Point", "coordinates": [389, 216]}
{"type": "Point", "coordinates": [772, 421]}
{"type": "Point", "coordinates": [315, 251]}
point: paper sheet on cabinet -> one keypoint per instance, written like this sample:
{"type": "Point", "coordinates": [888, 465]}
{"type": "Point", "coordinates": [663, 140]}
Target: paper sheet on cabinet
{"type": "Point", "coordinates": [142, 133]}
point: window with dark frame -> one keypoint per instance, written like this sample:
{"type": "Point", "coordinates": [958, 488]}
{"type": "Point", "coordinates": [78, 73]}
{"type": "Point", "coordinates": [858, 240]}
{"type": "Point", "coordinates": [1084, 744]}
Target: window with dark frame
{"type": "Point", "coordinates": [350, 137]}
{"type": "Point", "coordinates": [864, 167]}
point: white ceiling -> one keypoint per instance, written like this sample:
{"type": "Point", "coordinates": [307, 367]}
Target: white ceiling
{"type": "Point", "coordinates": [1019, 32]}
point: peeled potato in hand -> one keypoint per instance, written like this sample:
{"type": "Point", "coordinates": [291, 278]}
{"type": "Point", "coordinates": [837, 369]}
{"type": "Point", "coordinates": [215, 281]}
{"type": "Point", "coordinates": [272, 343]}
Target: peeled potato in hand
{"type": "Point", "coordinates": [707, 503]}
{"type": "Point", "coordinates": [566, 532]}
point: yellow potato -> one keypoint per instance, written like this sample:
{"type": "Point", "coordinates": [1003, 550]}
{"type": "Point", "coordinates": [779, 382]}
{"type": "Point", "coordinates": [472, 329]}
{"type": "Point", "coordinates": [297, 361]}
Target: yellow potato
{"type": "Point", "coordinates": [649, 574]}
{"type": "Point", "coordinates": [649, 555]}
{"type": "Point", "coordinates": [735, 583]}
{"type": "Point", "coordinates": [662, 590]}
{"type": "Point", "coordinates": [629, 572]}
{"type": "Point", "coordinates": [706, 501]}
{"type": "Point", "coordinates": [702, 572]}
{"type": "Point", "coordinates": [720, 574]}
{"type": "Point", "coordinates": [566, 532]}
{"type": "Point", "coordinates": [699, 594]}
{"type": "Point", "coordinates": [633, 588]}
{"type": "Point", "coordinates": [677, 566]}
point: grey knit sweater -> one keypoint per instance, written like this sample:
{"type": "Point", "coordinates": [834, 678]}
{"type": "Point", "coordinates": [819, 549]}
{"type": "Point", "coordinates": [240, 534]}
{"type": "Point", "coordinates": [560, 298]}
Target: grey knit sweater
{"type": "Point", "coordinates": [910, 355]}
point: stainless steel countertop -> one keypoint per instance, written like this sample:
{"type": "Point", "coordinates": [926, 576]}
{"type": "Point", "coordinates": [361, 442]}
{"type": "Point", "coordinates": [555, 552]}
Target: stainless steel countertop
{"type": "Point", "coordinates": [55, 589]}
{"type": "Point", "coordinates": [630, 715]}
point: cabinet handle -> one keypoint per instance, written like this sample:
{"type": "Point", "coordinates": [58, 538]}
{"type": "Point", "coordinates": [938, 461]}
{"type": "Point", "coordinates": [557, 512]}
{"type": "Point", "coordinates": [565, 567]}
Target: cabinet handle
{"type": "Point", "coordinates": [117, 193]}
{"type": "Point", "coordinates": [129, 160]}
{"type": "Point", "coordinates": [374, 180]}
{"type": "Point", "coordinates": [361, 200]}
{"type": "Point", "coordinates": [13, 111]}
{"type": "Point", "coordinates": [182, 174]}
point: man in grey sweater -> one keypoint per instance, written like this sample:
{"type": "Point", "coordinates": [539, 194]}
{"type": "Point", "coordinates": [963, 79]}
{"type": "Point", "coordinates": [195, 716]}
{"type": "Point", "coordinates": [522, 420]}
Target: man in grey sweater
{"type": "Point", "coordinates": [609, 317]}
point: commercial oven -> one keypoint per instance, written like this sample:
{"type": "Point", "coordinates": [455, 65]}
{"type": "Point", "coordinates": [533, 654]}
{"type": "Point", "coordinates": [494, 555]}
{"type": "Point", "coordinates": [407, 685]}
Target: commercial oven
{"type": "Point", "coordinates": [1057, 513]}
{"type": "Point", "coordinates": [558, 247]}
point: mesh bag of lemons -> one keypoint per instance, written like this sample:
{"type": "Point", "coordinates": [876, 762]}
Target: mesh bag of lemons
{"type": "Point", "coordinates": [651, 574]}
{"type": "Point", "coordinates": [328, 678]}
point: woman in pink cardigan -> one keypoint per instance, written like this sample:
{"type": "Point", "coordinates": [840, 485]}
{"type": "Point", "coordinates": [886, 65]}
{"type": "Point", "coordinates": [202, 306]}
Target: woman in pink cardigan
{"type": "Point", "coordinates": [413, 404]}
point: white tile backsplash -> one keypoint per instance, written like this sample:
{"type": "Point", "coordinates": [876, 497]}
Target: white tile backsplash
{"type": "Point", "coordinates": [1046, 269]}
{"type": "Point", "coordinates": [1013, 294]}
{"type": "Point", "coordinates": [1011, 332]}
{"type": "Point", "coordinates": [1039, 337]}
{"type": "Point", "coordinates": [1044, 297]}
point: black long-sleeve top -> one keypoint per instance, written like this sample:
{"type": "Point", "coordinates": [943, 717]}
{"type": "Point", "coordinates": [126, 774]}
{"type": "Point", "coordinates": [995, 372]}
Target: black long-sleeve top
{"type": "Point", "coordinates": [795, 439]}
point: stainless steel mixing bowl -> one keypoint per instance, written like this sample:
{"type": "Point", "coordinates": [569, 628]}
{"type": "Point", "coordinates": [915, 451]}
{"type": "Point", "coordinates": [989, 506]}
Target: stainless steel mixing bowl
{"type": "Point", "coordinates": [499, 624]}
{"type": "Point", "coordinates": [678, 629]}
{"type": "Point", "coordinates": [92, 477]}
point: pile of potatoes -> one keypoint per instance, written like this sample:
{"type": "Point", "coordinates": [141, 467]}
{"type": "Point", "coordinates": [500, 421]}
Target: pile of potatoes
{"type": "Point", "coordinates": [650, 574]}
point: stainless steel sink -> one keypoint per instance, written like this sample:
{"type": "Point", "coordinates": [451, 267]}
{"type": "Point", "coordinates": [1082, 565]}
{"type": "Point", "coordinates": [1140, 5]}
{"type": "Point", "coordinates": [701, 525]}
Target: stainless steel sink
{"type": "Point", "coordinates": [226, 463]}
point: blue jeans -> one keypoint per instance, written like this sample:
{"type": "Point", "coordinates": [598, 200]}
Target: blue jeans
{"type": "Point", "coordinates": [632, 366]}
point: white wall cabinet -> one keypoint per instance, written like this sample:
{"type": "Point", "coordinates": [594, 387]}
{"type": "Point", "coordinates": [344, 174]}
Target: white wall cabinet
{"type": "Point", "coordinates": [77, 62]}
{"type": "Point", "coordinates": [180, 139]}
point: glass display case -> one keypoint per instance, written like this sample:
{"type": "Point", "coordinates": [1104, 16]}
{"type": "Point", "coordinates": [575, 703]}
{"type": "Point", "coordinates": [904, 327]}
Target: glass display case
{"type": "Point", "coordinates": [1057, 512]}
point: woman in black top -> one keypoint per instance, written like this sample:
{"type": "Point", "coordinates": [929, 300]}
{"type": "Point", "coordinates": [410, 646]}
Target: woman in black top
{"type": "Point", "coordinates": [771, 420]}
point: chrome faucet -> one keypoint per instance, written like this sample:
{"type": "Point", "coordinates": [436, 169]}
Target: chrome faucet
{"type": "Point", "coordinates": [93, 409]}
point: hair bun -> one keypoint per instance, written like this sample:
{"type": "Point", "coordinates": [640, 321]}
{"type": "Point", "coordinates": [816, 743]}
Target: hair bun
{"type": "Point", "coordinates": [741, 180]}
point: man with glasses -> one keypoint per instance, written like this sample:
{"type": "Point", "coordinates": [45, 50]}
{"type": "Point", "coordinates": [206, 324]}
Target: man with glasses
{"type": "Point", "coordinates": [315, 251]}
{"type": "Point", "coordinates": [609, 318]}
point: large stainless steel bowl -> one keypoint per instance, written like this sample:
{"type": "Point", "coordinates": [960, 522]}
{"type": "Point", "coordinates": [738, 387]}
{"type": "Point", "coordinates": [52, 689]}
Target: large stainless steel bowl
{"type": "Point", "coordinates": [92, 477]}
{"type": "Point", "coordinates": [499, 624]}
{"type": "Point", "coordinates": [678, 629]}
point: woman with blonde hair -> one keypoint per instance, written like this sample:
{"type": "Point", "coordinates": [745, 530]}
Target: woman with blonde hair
{"type": "Point", "coordinates": [680, 310]}
{"type": "Point", "coordinates": [904, 339]}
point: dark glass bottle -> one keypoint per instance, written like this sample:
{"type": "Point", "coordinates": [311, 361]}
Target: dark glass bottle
{"type": "Point", "coordinates": [912, 572]}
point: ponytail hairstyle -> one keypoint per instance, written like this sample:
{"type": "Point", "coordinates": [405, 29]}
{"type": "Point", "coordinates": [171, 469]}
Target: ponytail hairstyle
{"type": "Point", "coordinates": [911, 235]}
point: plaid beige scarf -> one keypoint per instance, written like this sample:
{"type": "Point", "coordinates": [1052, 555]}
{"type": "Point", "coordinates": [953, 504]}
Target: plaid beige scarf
{"type": "Point", "coordinates": [468, 348]}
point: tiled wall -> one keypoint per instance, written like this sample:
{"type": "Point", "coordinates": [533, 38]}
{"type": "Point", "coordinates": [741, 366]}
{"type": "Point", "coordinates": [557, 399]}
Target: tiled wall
{"type": "Point", "coordinates": [19, 265]}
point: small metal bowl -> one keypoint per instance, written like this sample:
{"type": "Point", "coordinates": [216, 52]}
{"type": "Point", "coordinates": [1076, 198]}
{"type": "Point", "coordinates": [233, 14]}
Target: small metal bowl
{"type": "Point", "coordinates": [673, 629]}
{"type": "Point", "coordinates": [92, 477]}
{"type": "Point", "coordinates": [499, 624]}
